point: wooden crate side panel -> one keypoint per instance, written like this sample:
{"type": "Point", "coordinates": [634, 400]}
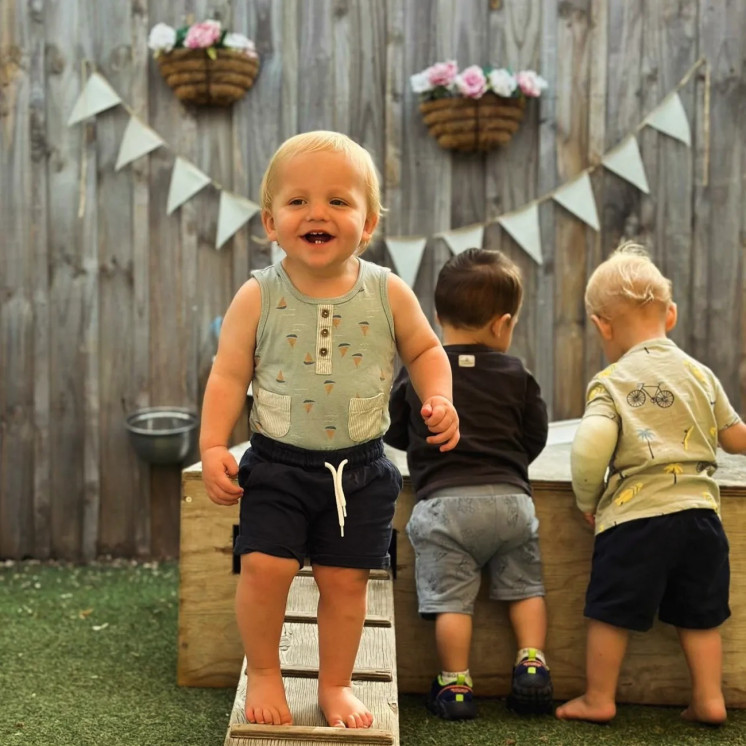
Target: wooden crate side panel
{"type": "Point", "coordinates": [210, 649]}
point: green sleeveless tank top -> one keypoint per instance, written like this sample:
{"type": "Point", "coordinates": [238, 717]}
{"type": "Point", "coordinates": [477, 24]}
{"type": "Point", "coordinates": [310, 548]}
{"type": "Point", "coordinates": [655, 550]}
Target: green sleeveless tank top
{"type": "Point", "coordinates": [323, 367]}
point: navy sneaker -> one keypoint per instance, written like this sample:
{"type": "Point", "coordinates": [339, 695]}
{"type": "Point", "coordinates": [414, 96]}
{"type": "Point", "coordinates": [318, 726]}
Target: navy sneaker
{"type": "Point", "coordinates": [453, 700]}
{"type": "Point", "coordinates": [531, 690]}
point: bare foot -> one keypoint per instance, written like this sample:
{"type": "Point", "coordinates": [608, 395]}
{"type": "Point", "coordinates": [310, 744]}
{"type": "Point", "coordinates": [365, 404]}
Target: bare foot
{"type": "Point", "coordinates": [581, 708]}
{"type": "Point", "coordinates": [342, 709]}
{"type": "Point", "coordinates": [265, 699]}
{"type": "Point", "coordinates": [711, 712]}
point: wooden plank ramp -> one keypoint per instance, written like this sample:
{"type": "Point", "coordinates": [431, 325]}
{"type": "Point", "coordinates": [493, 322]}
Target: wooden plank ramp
{"type": "Point", "coordinates": [374, 676]}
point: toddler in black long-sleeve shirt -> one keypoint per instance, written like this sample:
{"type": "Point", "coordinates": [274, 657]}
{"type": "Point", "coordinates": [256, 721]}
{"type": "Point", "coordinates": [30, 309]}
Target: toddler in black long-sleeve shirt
{"type": "Point", "coordinates": [474, 504]}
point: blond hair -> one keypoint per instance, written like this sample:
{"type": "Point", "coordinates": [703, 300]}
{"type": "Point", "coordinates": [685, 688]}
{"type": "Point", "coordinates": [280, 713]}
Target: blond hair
{"type": "Point", "coordinates": [320, 141]}
{"type": "Point", "coordinates": [627, 277]}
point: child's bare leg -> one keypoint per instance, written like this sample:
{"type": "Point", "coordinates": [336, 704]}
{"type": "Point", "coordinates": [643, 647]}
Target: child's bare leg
{"type": "Point", "coordinates": [261, 597]}
{"type": "Point", "coordinates": [604, 654]}
{"type": "Point", "coordinates": [453, 640]}
{"type": "Point", "coordinates": [528, 618]}
{"type": "Point", "coordinates": [343, 602]}
{"type": "Point", "coordinates": [703, 650]}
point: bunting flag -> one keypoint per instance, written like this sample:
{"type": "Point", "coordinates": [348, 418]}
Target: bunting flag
{"type": "Point", "coordinates": [406, 254]}
{"type": "Point", "coordinates": [670, 119]}
{"type": "Point", "coordinates": [523, 226]}
{"type": "Point", "coordinates": [625, 161]}
{"type": "Point", "coordinates": [138, 140]}
{"type": "Point", "coordinates": [186, 181]}
{"type": "Point", "coordinates": [234, 212]}
{"type": "Point", "coordinates": [577, 197]}
{"type": "Point", "coordinates": [97, 96]}
{"type": "Point", "coordinates": [276, 253]}
{"type": "Point", "coordinates": [461, 239]}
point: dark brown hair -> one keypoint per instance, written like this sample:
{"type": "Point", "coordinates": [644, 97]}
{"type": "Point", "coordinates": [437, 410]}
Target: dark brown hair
{"type": "Point", "coordinates": [475, 286]}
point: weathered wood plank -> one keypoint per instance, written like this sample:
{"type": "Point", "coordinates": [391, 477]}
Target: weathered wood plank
{"type": "Point", "coordinates": [114, 208]}
{"type": "Point", "coordinates": [73, 283]}
{"type": "Point", "coordinates": [42, 545]}
{"type": "Point", "coordinates": [139, 386]}
{"type": "Point", "coordinates": [172, 278]}
{"type": "Point", "coordinates": [511, 171]}
{"type": "Point", "coordinates": [546, 180]}
{"type": "Point", "coordinates": [17, 288]}
{"type": "Point", "coordinates": [718, 212]}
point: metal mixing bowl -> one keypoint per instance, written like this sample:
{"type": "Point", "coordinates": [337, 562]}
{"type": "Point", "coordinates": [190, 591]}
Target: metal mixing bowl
{"type": "Point", "coordinates": [162, 435]}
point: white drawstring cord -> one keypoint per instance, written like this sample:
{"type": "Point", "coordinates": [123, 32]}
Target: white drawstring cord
{"type": "Point", "coordinates": [339, 494]}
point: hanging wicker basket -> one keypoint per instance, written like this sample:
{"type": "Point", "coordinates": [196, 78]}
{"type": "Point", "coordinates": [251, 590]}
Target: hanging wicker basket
{"type": "Point", "coordinates": [198, 79]}
{"type": "Point", "coordinates": [470, 125]}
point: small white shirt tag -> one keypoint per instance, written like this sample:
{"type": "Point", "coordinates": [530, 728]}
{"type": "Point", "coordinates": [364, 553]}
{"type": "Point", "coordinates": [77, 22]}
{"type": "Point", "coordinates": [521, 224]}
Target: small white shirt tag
{"type": "Point", "coordinates": [466, 361]}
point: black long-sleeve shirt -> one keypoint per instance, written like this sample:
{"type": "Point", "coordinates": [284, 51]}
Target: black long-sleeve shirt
{"type": "Point", "coordinates": [502, 417]}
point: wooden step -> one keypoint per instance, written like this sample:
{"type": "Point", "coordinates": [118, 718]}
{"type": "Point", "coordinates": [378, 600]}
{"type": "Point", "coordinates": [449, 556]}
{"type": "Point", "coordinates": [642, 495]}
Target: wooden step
{"type": "Point", "coordinates": [374, 677]}
{"type": "Point", "coordinates": [310, 734]}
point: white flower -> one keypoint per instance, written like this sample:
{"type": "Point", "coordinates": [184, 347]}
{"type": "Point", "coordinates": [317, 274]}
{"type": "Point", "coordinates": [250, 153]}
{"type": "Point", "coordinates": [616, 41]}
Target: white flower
{"type": "Point", "coordinates": [240, 42]}
{"type": "Point", "coordinates": [162, 38]}
{"type": "Point", "coordinates": [502, 82]}
{"type": "Point", "coordinates": [421, 82]}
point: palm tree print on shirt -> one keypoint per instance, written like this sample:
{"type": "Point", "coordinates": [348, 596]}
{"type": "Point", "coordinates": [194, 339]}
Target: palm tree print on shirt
{"type": "Point", "coordinates": [674, 469]}
{"type": "Point", "coordinates": [645, 434]}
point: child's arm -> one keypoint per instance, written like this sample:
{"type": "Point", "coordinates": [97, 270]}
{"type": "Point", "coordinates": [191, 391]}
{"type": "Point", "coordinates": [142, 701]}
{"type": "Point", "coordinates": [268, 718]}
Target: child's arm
{"type": "Point", "coordinates": [535, 421]}
{"type": "Point", "coordinates": [427, 363]}
{"type": "Point", "coordinates": [591, 453]}
{"type": "Point", "coordinates": [733, 439]}
{"type": "Point", "coordinates": [225, 393]}
{"type": "Point", "coordinates": [398, 433]}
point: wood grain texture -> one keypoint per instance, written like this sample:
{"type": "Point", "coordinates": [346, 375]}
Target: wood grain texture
{"type": "Point", "coordinates": [115, 310]}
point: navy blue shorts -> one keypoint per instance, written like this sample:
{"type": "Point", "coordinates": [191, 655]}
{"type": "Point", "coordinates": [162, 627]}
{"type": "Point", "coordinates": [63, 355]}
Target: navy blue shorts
{"type": "Point", "coordinates": [676, 564]}
{"type": "Point", "coordinates": [289, 508]}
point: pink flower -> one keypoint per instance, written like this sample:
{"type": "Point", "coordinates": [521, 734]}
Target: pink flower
{"type": "Point", "coordinates": [530, 83]}
{"type": "Point", "coordinates": [203, 35]}
{"type": "Point", "coordinates": [472, 83]}
{"type": "Point", "coordinates": [442, 73]}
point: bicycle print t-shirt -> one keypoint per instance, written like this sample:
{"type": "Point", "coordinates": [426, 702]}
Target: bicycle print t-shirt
{"type": "Point", "coordinates": [669, 409]}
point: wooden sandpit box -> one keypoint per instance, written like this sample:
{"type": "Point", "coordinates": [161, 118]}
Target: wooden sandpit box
{"type": "Point", "coordinates": [654, 670]}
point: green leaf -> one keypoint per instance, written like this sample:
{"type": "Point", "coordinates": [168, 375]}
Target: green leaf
{"type": "Point", "coordinates": [211, 53]}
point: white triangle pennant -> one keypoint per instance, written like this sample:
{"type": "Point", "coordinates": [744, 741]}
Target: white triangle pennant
{"type": "Point", "coordinates": [186, 181]}
{"type": "Point", "coordinates": [406, 253]}
{"type": "Point", "coordinates": [625, 161]}
{"type": "Point", "coordinates": [577, 197]}
{"type": "Point", "coordinates": [277, 253]}
{"type": "Point", "coordinates": [461, 239]}
{"type": "Point", "coordinates": [523, 226]}
{"type": "Point", "coordinates": [137, 141]}
{"type": "Point", "coordinates": [97, 96]}
{"type": "Point", "coordinates": [234, 212]}
{"type": "Point", "coordinates": [670, 119]}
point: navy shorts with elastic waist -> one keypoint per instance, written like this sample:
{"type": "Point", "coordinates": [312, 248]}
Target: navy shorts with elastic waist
{"type": "Point", "coordinates": [289, 509]}
{"type": "Point", "coordinates": [676, 564]}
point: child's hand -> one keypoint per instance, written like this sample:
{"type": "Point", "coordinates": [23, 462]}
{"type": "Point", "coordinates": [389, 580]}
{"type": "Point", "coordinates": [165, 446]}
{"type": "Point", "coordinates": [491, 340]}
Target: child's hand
{"type": "Point", "coordinates": [441, 417]}
{"type": "Point", "coordinates": [590, 519]}
{"type": "Point", "coordinates": [219, 468]}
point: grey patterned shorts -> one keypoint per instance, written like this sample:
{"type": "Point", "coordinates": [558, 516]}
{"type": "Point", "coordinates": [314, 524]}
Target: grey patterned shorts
{"type": "Point", "coordinates": [460, 530]}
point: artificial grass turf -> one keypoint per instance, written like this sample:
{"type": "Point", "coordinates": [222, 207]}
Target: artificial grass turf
{"type": "Point", "coordinates": [88, 656]}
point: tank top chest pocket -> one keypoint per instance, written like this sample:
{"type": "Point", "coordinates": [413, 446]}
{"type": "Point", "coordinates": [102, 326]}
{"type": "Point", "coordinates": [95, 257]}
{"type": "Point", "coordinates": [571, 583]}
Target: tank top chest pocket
{"type": "Point", "coordinates": [365, 417]}
{"type": "Point", "coordinates": [272, 412]}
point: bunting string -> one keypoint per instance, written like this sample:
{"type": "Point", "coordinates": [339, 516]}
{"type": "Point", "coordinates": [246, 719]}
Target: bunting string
{"type": "Point", "coordinates": [522, 224]}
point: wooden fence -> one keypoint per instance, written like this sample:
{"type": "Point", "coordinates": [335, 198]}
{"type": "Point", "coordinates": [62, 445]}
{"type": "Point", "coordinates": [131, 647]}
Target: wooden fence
{"type": "Point", "coordinates": [107, 303]}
